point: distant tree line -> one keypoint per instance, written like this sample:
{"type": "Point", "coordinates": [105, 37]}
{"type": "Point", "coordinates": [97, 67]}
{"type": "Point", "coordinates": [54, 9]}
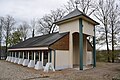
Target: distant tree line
{"type": "Point", "coordinates": [107, 12]}
{"type": "Point", "coordinates": [12, 33]}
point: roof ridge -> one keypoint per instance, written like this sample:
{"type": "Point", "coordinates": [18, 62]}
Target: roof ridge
{"type": "Point", "coordinates": [43, 35]}
{"type": "Point", "coordinates": [73, 12]}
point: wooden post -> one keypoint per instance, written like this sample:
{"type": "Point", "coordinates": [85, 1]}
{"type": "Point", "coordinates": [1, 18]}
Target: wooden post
{"type": "Point", "coordinates": [34, 57]}
{"type": "Point", "coordinates": [81, 43]}
{"type": "Point", "coordinates": [39, 55]}
{"type": "Point", "coordinates": [10, 54]}
{"type": "Point", "coordinates": [23, 55]}
{"type": "Point", "coordinates": [54, 58]}
{"type": "Point", "coordinates": [28, 55]}
{"type": "Point", "coordinates": [42, 58]}
{"type": "Point", "coordinates": [19, 54]}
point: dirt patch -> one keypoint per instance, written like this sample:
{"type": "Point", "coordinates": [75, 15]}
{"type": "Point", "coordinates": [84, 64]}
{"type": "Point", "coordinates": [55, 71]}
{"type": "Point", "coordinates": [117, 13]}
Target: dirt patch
{"type": "Point", "coordinates": [103, 71]}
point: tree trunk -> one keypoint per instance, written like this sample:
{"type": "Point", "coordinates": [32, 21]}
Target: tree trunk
{"type": "Point", "coordinates": [106, 34]}
{"type": "Point", "coordinates": [112, 42]}
{"type": "Point", "coordinates": [0, 50]}
{"type": "Point", "coordinates": [0, 40]}
{"type": "Point", "coordinates": [6, 44]}
{"type": "Point", "coordinates": [7, 34]}
{"type": "Point", "coordinates": [107, 47]}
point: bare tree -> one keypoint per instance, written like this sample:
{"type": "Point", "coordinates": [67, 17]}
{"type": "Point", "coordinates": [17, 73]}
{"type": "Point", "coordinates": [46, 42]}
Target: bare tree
{"type": "Point", "coordinates": [23, 28]}
{"type": "Point", "coordinates": [114, 19]}
{"type": "Point", "coordinates": [46, 24]}
{"type": "Point", "coordinates": [1, 27]}
{"type": "Point", "coordinates": [33, 26]}
{"type": "Point", "coordinates": [8, 27]}
{"type": "Point", "coordinates": [102, 14]}
{"type": "Point", "coordinates": [86, 6]}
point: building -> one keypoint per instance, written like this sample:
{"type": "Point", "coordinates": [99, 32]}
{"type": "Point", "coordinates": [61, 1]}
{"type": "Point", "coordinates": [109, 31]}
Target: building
{"type": "Point", "coordinates": [66, 49]}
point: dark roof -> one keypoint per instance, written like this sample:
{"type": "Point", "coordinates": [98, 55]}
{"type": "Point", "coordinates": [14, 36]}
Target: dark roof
{"type": "Point", "coordinates": [89, 46]}
{"type": "Point", "coordinates": [40, 41]}
{"type": "Point", "coordinates": [73, 14]}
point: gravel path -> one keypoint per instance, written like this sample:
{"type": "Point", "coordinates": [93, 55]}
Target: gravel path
{"type": "Point", "coordinates": [103, 71]}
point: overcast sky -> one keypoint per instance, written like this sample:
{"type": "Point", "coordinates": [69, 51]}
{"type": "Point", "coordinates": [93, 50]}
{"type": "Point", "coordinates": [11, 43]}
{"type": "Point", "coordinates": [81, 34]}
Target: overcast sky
{"type": "Point", "coordinates": [28, 9]}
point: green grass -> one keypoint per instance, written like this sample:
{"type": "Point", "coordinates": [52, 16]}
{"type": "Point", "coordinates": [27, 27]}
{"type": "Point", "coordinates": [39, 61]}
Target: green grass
{"type": "Point", "coordinates": [102, 56]}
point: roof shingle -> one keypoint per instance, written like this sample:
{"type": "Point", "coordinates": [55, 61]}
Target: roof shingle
{"type": "Point", "coordinates": [73, 14]}
{"type": "Point", "coordinates": [40, 41]}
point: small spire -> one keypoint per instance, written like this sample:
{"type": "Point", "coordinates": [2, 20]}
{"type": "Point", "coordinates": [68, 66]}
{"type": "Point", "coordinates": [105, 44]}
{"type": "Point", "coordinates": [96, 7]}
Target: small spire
{"type": "Point", "coordinates": [76, 3]}
{"type": "Point", "coordinates": [33, 33]}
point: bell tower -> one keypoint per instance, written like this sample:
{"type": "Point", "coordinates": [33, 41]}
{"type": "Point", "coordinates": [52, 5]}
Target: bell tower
{"type": "Point", "coordinates": [80, 27]}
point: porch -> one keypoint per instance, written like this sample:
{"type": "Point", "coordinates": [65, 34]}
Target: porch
{"type": "Point", "coordinates": [32, 58]}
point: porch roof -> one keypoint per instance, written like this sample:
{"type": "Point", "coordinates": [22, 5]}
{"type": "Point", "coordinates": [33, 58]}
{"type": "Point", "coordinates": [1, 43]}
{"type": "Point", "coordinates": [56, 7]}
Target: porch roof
{"type": "Point", "coordinates": [39, 42]}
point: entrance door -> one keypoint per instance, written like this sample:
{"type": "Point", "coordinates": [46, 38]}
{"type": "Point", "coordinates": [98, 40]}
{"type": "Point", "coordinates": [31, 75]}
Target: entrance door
{"type": "Point", "coordinates": [76, 56]}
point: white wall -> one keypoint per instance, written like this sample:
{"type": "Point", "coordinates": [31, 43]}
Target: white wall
{"type": "Point", "coordinates": [89, 57]}
{"type": "Point", "coordinates": [88, 28]}
{"type": "Point", "coordinates": [72, 26]}
{"type": "Point", "coordinates": [62, 59]}
{"type": "Point", "coordinates": [76, 50]}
